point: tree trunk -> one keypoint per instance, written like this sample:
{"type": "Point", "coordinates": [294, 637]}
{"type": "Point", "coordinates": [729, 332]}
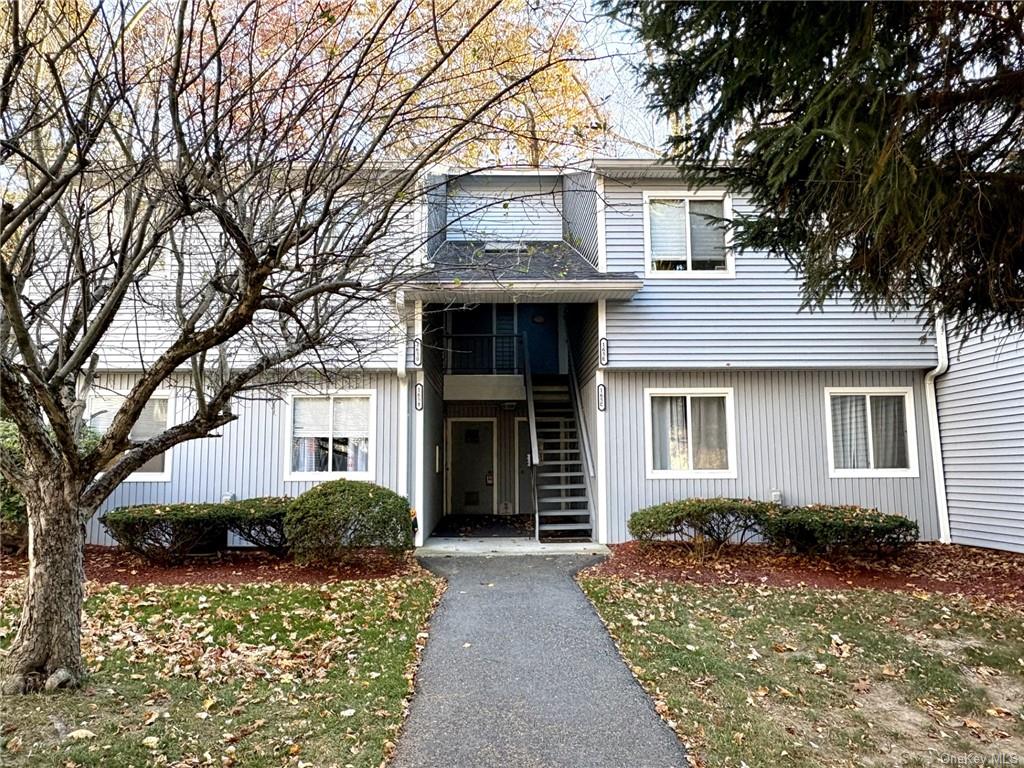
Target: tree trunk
{"type": "Point", "coordinates": [46, 653]}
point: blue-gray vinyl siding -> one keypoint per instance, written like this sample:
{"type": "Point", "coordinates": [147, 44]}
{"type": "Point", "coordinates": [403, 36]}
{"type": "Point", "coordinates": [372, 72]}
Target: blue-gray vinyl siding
{"type": "Point", "coordinates": [780, 444]}
{"type": "Point", "coordinates": [579, 208]}
{"type": "Point", "coordinates": [981, 419]}
{"type": "Point", "coordinates": [752, 320]}
{"type": "Point", "coordinates": [248, 459]}
{"type": "Point", "coordinates": [505, 208]}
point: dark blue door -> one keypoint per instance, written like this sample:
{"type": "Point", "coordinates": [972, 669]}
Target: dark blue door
{"type": "Point", "coordinates": [540, 324]}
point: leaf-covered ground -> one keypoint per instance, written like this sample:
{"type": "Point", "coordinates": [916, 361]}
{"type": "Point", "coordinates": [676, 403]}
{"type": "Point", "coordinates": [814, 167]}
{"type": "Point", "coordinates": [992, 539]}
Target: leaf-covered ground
{"type": "Point", "coordinates": [248, 675]}
{"type": "Point", "coordinates": [759, 676]}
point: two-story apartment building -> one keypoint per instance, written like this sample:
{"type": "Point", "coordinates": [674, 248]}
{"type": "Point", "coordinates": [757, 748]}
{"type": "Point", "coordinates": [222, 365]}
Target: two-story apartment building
{"type": "Point", "coordinates": [580, 345]}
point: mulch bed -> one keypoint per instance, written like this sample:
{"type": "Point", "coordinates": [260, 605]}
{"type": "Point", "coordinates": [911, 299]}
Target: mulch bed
{"type": "Point", "coordinates": [930, 567]}
{"type": "Point", "coordinates": [107, 565]}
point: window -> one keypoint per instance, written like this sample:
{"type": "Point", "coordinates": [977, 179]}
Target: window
{"type": "Point", "coordinates": [690, 433]}
{"type": "Point", "coordinates": [154, 419]}
{"type": "Point", "coordinates": [330, 435]}
{"type": "Point", "coordinates": [685, 237]}
{"type": "Point", "coordinates": [871, 432]}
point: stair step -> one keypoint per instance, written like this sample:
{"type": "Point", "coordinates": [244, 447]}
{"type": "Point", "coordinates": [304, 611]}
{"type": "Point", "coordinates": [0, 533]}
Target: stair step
{"type": "Point", "coordinates": [563, 463]}
{"type": "Point", "coordinates": [565, 526]}
{"type": "Point", "coordinates": [564, 512]}
{"type": "Point", "coordinates": [569, 451]}
{"type": "Point", "coordinates": [564, 500]}
{"type": "Point", "coordinates": [560, 474]}
{"type": "Point", "coordinates": [567, 487]}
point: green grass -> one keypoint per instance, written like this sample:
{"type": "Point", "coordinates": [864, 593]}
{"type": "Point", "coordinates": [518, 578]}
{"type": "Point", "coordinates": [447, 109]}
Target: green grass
{"type": "Point", "coordinates": [255, 675]}
{"type": "Point", "coordinates": [801, 677]}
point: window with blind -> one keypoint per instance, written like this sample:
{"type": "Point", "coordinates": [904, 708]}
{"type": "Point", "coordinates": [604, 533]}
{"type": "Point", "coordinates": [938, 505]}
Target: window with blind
{"type": "Point", "coordinates": [685, 236]}
{"type": "Point", "coordinates": [331, 435]}
{"type": "Point", "coordinates": [870, 432]}
{"type": "Point", "coordinates": [690, 433]}
{"type": "Point", "coordinates": [152, 421]}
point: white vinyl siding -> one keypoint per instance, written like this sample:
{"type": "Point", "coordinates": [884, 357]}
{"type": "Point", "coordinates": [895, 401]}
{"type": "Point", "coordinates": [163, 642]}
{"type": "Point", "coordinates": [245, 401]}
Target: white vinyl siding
{"type": "Point", "coordinates": [330, 436]}
{"type": "Point", "coordinates": [154, 419]}
{"type": "Point", "coordinates": [689, 433]}
{"type": "Point", "coordinates": [684, 236]}
{"type": "Point", "coordinates": [870, 433]}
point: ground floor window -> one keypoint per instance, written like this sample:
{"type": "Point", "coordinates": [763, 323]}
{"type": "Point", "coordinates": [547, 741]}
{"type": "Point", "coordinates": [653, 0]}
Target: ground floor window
{"type": "Point", "coordinates": [331, 434]}
{"type": "Point", "coordinates": [154, 419]}
{"type": "Point", "coordinates": [871, 432]}
{"type": "Point", "coordinates": [690, 433]}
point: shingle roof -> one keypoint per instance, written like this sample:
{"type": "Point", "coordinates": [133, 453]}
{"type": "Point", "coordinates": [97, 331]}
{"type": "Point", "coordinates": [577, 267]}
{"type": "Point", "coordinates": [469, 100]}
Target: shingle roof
{"type": "Point", "coordinates": [480, 261]}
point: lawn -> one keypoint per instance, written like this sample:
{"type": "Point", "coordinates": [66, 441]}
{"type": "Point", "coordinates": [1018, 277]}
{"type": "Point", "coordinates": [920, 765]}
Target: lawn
{"type": "Point", "coordinates": [754, 675]}
{"type": "Point", "coordinates": [248, 675]}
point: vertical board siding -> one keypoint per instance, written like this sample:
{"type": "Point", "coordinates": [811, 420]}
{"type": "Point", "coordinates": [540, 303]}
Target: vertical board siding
{"type": "Point", "coordinates": [751, 320]}
{"type": "Point", "coordinates": [981, 418]}
{"type": "Point", "coordinates": [436, 200]}
{"type": "Point", "coordinates": [579, 207]}
{"type": "Point", "coordinates": [781, 444]}
{"type": "Point", "coordinates": [505, 208]}
{"type": "Point", "coordinates": [249, 456]}
{"type": "Point", "coordinates": [581, 324]}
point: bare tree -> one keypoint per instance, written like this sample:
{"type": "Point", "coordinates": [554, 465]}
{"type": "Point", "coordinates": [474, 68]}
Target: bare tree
{"type": "Point", "coordinates": [245, 177]}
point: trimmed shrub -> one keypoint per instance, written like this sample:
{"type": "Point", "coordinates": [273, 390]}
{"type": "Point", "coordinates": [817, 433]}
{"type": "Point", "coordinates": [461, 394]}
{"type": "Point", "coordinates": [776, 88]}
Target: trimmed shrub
{"type": "Point", "coordinates": [328, 520]}
{"type": "Point", "coordinates": [166, 533]}
{"type": "Point", "coordinates": [260, 521]}
{"type": "Point", "coordinates": [718, 520]}
{"type": "Point", "coordinates": [821, 529]}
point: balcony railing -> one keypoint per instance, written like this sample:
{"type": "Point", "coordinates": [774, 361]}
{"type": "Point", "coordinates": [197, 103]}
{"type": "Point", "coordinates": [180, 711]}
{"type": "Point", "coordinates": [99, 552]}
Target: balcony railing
{"type": "Point", "coordinates": [483, 354]}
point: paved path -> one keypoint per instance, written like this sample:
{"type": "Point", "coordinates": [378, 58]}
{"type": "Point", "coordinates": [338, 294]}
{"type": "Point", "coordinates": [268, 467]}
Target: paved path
{"type": "Point", "coordinates": [539, 683]}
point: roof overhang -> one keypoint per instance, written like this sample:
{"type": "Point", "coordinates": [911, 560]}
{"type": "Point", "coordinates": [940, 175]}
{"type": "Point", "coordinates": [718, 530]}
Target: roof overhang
{"type": "Point", "coordinates": [561, 291]}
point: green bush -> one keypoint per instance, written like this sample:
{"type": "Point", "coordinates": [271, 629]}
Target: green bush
{"type": "Point", "coordinates": [166, 533]}
{"type": "Point", "coordinates": [328, 520]}
{"type": "Point", "coordinates": [260, 521]}
{"type": "Point", "coordinates": [13, 515]}
{"type": "Point", "coordinates": [718, 520]}
{"type": "Point", "coordinates": [822, 529]}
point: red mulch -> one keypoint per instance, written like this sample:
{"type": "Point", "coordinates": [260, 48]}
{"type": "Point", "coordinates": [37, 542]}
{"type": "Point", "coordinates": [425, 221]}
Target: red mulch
{"type": "Point", "coordinates": [931, 567]}
{"type": "Point", "coordinates": [108, 565]}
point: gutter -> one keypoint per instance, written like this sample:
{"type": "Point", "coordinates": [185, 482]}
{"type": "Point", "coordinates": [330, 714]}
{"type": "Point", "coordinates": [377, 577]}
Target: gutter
{"type": "Point", "coordinates": [932, 406]}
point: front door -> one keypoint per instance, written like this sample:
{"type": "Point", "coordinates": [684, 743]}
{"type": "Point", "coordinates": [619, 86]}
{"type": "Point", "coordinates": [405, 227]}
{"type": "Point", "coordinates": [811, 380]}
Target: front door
{"type": "Point", "coordinates": [540, 324]}
{"type": "Point", "coordinates": [471, 468]}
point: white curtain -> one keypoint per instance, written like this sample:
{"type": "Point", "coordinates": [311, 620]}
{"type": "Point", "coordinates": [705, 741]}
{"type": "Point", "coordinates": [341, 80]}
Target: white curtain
{"type": "Point", "coordinates": [311, 429]}
{"type": "Point", "coordinates": [707, 238]}
{"type": "Point", "coordinates": [668, 234]}
{"type": "Point", "coordinates": [351, 449]}
{"type": "Point", "coordinates": [850, 431]}
{"type": "Point", "coordinates": [151, 422]}
{"type": "Point", "coordinates": [669, 433]}
{"type": "Point", "coordinates": [710, 436]}
{"type": "Point", "coordinates": [889, 431]}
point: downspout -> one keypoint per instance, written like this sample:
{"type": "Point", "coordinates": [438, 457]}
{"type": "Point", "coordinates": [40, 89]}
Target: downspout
{"type": "Point", "coordinates": [932, 406]}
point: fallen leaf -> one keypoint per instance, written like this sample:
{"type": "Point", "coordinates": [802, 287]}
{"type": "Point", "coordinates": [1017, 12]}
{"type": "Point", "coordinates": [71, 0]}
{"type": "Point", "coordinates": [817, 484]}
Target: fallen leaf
{"type": "Point", "coordinates": [81, 733]}
{"type": "Point", "coordinates": [151, 742]}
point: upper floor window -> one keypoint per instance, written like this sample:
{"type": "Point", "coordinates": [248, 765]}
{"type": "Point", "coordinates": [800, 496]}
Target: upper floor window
{"type": "Point", "coordinates": [330, 436]}
{"type": "Point", "coordinates": [689, 433]}
{"type": "Point", "coordinates": [154, 419]}
{"type": "Point", "coordinates": [684, 235]}
{"type": "Point", "coordinates": [871, 432]}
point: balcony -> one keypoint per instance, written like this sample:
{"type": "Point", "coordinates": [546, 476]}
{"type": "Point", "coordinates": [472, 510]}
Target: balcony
{"type": "Point", "coordinates": [483, 366]}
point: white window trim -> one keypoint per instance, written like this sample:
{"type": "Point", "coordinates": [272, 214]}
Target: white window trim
{"type": "Point", "coordinates": [730, 424]}
{"type": "Point", "coordinates": [144, 477]}
{"type": "Point", "coordinates": [908, 404]}
{"type": "Point", "coordinates": [371, 463]}
{"type": "Point", "coordinates": [689, 274]}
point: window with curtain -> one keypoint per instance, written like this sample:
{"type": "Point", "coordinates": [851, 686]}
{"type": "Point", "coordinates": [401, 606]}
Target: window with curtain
{"type": "Point", "coordinates": [151, 422]}
{"type": "Point", "coordinates": [331, 434]}
{"type": "Point", "coordinates": [686, 235]}
{"type": "Point", "coordinates": [869, 431]}
{"type": "Point", "coordinates": [689, 432]}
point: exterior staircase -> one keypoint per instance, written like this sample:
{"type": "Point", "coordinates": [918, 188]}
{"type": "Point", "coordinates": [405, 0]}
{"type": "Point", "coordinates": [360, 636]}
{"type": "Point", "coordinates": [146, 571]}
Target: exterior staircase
{"type": "Point", "coordinates": [563, 503]}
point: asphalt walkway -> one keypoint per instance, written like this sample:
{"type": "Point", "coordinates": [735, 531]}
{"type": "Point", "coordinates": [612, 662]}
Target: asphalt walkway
{"type": "Point", "coordinates": [519, 671]}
